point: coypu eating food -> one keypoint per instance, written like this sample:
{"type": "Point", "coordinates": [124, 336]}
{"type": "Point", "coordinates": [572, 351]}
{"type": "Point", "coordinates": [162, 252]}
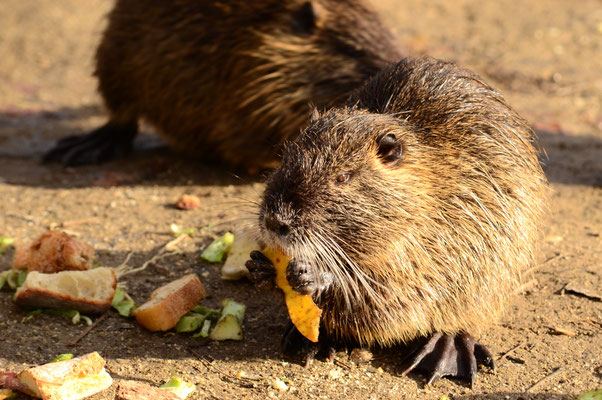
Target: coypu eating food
{"type": "Point", "coordinates": [227, 80]}
{"type": "Point", "coordinates": [410, 214]}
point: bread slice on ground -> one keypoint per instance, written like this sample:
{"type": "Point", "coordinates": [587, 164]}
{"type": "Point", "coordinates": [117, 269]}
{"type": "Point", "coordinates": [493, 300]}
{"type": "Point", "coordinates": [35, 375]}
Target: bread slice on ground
{"type": "Point", "coordinates": [168, 303]}
{"type": "Point", "coordinates": [54, 251]}
{"type": "Point", "coordinates": [86, 291]}
{"type": "Point", "coordinates": [68, 380]}
{"type": "Point", "coordinates": [134, 390]}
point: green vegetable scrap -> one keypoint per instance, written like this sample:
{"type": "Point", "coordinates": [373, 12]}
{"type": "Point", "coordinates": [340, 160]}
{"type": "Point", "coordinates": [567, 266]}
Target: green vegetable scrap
{"type": "Point", "coordinates": [62, 357]}
{"type": "Point", "coordinates": [122, 302]}
{"type": "Point", "coordinates": [5, 242]}
{"type": "Point", "coordinates": [217, 250]}
{"type": "Point", "coordinates": [205, 310]}
{"type": "Point", "coordinates": [204, 332]}
{"type": "Point", "coordinates": [591, 395]}
{"type": "Point", "coordinates": [190, 322]}
{"type": "Point", "coordinates": [14, 278]}
{"type": "Point", "coordinates": [177, 230]}
{"type": "Point", "coordinates": [179, 387]}
{"type": "Point", "coordinates": [2, 279]}
{"type": "Point", "coordinates": [74, 315]}
{"type": "Point", "coordinates": [229, 326]}
{"type": "Point", "coordinates": [193, 320]}
{"type": "Point", "coordinates": [32, 314]}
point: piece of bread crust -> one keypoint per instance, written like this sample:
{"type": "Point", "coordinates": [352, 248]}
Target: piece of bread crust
{"type": "Point", "coordinates": [90, 292]}
{"type": "Point", "coordinates": [68, 380]}
{"type": "Point", "coordinates": [167, 304]}
{"type": "Point", "coordinates": [54, 251]}
{"type": "Point", "coordinates": [134, 390]}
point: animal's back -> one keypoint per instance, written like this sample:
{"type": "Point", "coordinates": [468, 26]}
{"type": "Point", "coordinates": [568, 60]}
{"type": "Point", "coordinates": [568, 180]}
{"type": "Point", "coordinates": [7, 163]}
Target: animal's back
{"type": "Point", "coordinates": [233, 80]}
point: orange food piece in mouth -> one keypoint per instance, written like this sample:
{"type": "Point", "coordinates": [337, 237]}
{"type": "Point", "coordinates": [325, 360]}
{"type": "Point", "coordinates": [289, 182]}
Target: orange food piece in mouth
{"type": "Point", "coordinates": [304, 313]}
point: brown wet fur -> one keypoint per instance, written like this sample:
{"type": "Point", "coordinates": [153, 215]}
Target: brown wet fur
{"type": "Point", "coordinates": [422, 197]}
{"type": "Point", "coordinates": [232, 80]}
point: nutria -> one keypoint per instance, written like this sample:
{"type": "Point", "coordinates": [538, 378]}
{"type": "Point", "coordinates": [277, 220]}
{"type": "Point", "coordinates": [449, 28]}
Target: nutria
{"type": "Point", "coordinates": [409, 213]}
{"type": "Point", "coordinates": [227, 80]}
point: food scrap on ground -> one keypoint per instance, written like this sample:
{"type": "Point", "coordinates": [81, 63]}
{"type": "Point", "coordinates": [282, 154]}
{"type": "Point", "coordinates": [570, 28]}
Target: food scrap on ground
{"type": "Point", "coordinates": [123, 303]}
{"type": "Point", "coordinates": [53, 251]}
{"type": "Point", "coordinates": [75, 316]}
{"type": "Point", "coordinates": [195, 319]}
{"type": "Point", "coordinates": [591, 395]}
{"type": "Point", "coordinates": [218, 249]}
{"type": "Point", "coordinates": [178, 230]}
{"type": "Point", "coordinates": [234, 267]}
{"type": "Point", "coordinates": [70, 379]}
{"type": "Point", "coordinates": [179, 387]}
{"type": "Point", "coordinates": [188, 202]}
{"type": "Point", "coordinates": [229, 326]}
{"type": "Point", "coordinates": [168, 303]}
{"type": "Point", "coordinates": [12, 278]}
{"type": "Point", "coordinates": [5, 242]}
{"type": "Point", "coordinates": [62, 357]}
{"type": "Point", "coordinates": [88, 291]}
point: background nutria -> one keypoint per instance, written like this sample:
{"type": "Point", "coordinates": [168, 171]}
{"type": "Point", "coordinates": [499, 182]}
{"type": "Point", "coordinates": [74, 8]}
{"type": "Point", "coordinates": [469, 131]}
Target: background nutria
{"type": "Point", "coordinates": [228, 80]}
{"type": "Point", "coordinates": [411, 213]}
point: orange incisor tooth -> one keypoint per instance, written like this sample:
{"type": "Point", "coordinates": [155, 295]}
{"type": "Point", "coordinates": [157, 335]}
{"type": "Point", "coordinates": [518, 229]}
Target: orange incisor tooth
{"type": "Point", "coordinates": [304, 313]}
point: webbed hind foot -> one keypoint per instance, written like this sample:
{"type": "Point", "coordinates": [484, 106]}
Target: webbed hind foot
{"type": "Point", "coordinates": [110, 141]}
{"type": "Point", "coordinates": [450, 355]}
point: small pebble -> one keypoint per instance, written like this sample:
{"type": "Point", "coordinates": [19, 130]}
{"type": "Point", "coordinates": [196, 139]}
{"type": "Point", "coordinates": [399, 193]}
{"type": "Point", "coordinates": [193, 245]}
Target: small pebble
{"type": "Point", "coordinates": [279, 385]}
{"type": "Point", "coordinates": [361, 356]}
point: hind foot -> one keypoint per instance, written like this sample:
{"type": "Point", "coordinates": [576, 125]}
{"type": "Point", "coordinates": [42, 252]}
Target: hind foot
{"type": "Point", "coordinates": [450, 355]}
{"type": "Point", "coordinates": [294, 343]}
{"type": "Point", "coordinates": [108, 142]}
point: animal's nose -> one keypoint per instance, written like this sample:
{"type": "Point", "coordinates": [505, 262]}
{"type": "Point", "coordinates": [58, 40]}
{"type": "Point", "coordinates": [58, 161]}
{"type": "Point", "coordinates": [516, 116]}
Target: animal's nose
{"type": "Point", "coordinates": [274, 223]}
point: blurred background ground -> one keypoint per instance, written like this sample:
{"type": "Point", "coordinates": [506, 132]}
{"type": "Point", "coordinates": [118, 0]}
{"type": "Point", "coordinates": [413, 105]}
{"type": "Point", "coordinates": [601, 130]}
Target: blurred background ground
{"type": "Point", "coordinates": [545, 57]}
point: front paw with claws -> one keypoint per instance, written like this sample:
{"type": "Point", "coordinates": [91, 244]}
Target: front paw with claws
{"type": "Point", "coordinates": [450, 355]}
{"type": "Point", "coordinates": [301, 277]}
{"type": "Point", "coordinates": [261, 271]}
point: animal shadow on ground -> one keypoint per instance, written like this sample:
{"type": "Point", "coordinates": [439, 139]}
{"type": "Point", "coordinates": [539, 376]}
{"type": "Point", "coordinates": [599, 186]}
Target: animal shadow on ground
{"type": "Point", "coordinates": [26, 135]}
{"type": "Point", "coordinates": [571, 159]}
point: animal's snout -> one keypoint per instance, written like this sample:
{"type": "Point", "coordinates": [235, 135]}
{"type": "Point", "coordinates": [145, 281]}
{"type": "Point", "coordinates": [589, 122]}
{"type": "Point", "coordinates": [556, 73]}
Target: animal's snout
{"type": "Point", "coordinates": [276, 224]}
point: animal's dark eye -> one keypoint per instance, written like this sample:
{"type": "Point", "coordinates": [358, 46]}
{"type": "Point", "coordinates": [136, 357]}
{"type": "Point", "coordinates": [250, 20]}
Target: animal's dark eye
{"type": "Point", "coordinates": [343, 178]}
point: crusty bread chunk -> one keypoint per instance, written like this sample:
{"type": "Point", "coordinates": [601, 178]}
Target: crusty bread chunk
{"type": "Point", "coordinates": [68, 380]}
{"type": "Point", "coordinates": [54, 251]}
{"type": "Point", "coordinates": [86, 291]}
{"type": "Point", "coordinates": [168, 303]}
{"type": "Point", "coordinates": [134, 390]}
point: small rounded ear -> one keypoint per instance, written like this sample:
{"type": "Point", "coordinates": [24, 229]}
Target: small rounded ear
{"type": "Point", "coordinates": [390, 149]}
{"type": "Point", "coordinates": [306, 18]}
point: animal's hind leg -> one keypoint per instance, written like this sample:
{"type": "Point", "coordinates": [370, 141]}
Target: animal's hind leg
{"type": "Point", "coordinates": [110, 141]}
{"type": "Point", "coordinates": [450, 355]}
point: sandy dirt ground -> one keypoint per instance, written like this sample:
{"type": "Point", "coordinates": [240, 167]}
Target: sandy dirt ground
{"type": "Point", "coordinates": [544, 56]}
